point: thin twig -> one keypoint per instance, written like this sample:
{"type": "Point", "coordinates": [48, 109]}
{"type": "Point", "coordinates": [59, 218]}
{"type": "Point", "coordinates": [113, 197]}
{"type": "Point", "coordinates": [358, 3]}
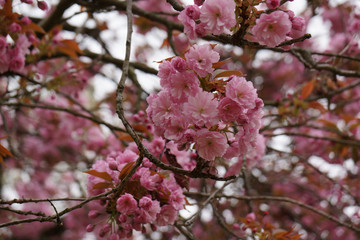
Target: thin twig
{"type": "Point", "coordinates": [282, 199]}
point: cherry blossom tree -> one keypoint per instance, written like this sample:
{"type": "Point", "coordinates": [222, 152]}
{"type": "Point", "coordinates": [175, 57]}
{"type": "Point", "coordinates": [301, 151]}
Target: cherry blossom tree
{"type": "Point", "coordinates": [169, 119]}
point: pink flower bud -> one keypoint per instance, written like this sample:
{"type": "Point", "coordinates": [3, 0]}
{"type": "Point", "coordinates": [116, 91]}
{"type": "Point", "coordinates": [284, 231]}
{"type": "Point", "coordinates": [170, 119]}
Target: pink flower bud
{"type": "Point", "coordinates": [236, 226]}
{"type": "Point", "coordinates": [272, 4]}
{"type": "Point", "coordinates": [25, 20]}
{"type": "Point", "coordinates": [27, 1]}
{"type": "Point", "coordinates": [199, 2]}
{"type": "Point", "coordinates": [113, 165]}
{"type": "Point", "coordinates": [90, 228]}
{"type": "Point", "coordinates": [93, 214]}
{"type": "Point", "coordinates": [14, 27]}
{"type": "Point", "coordinates": [43, 5]}
{"type": "Point", "coordinates": [106, 228]}
{"type": "Point", "coordinates": [102, 233]}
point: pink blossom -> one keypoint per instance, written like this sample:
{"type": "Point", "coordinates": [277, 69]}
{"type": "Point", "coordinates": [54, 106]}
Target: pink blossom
{"type": "Point", "coordinates": [200, 59]}
{"type": "Point", "coordinates": [298, 27]}
{"type": "Point", "coordinates": [161, 109]}
{"type": "Point", "coordinates": [176, 129]}
{"type": "Point", "coordinates": [272, 4]}
{"type": "Point", "coordinates": [210, 144]}
{"type": "Point", "coordinates": [271, 29]}
{"type": "Point", "coordinates": [188, 17]}
{"type": "Point", "coordinates": [241, 91]}
{"type": "Point", "coordinates": [148, 180]}
{"type": "Point", "coordinates": [124, 158]}
{"type": "Point", "coordinates": [179, 64]}
{"type": "Point", "coordinates": [17, 63]}
{"type": "Point", "coordinates": [229, 110]}
{"type": "Point", "coordinates": [183, 85]}
{"type": "Point", "coordinates": [189, 25]}
{"type": "Point", "coordinates": [177, 199]}
{"type": "Point", "coordinates": [219, 15]}
{"type": "Point", "coordinates": [126, 204]}
{"type": "Point", "coordinates": [167, 216]}
{"type": "Point", "coordinates": [27, 1]}
{"type": "Point", "coordinates": [202, 109]}
{"type": "Point", "coordinates": [166, 70]}
{"type": "Point", "coordinates": [3, 45]}
{"type": "Point", "coordinates": [193, 11]}
{"type": "Point", "coordinates": [246, 139]}
{"type": "Point", "coordinates": [14, 27]}
{"type": "Point", "coordinates": [150, 208]}
{"type": "Point", "coordinates": [22, 44]}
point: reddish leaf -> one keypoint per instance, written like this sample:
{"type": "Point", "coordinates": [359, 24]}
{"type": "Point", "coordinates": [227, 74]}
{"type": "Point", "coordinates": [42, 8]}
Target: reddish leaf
{"type": "Point", "coordinates": [35, 27]}
{"type": "Point", "coordinates": [213, 45]}
{"type": "Point", "coordinates": [125, 171]}
{"type": "Point", "coordinates": [67, 51]}
{"type": "Point", "coordinates": [307, 89]}
{"type": "Point", "coordinates": [125, 137]}
{"type": "Point", "coordinates": [165, 43]}
{"type": "Point", "coordinates": [219, 64]}
{"type": "Point", "coordinates": [7, 8]}
{"type": "Point", "coordinates": [4, 152]}
{"type": "Point", "coordinates": [140, 128]}
{"type": "Point", "coordinates": [72, 45]}
{"type": "Point", "coordinates": [229, 73]}
{"type": "Point", "coordinates": [101, 185]}
{"type": "Point", "coordinates": [69, 47]}
{"type": "Point", "coordinates": [182, 180]}
{"type": "Point", "coordinates": [103, 175]}
{"type": "Point", "coordinates": [329, 124]}
{"type": "Point", "coordinates": [347, 117]}
{"type": "Point", "coordinates": [318, 106]}
{"type": "Point", "coordinates": [166, 59]}
{"type": "Point", "coordinates": [353, 126]}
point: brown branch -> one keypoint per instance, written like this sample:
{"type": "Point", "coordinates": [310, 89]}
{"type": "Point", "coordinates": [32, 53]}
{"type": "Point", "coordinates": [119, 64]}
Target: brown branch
{"type": "Point", "coordinates": [282, 199]}
{"type": "Point", "coordinates": [67, 110]}
{"type": "Point", "coordinates": [23, 212]}
{"type": "Point", "coordinates": [222, 222]}
{"type": "Point", "coordinates": [176, 5]}
{"type": "Point", "coordinates": [184, 231]}
{"type": "Point", "coordinates": [53, 19]}
{"type": "Point", "coordinates": [304, 160]}
{"type": "Point", "coordinates": [192, 218]}
{"type": "Point", "coordinates": [18, 201]}
{"type": "Point", "coordinates": [336, 140]}
{"type": "Point", "coordinates": [118, 62]}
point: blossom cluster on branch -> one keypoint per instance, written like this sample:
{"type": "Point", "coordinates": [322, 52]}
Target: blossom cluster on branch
{"type": "Point", "coordinates": [253, 131]}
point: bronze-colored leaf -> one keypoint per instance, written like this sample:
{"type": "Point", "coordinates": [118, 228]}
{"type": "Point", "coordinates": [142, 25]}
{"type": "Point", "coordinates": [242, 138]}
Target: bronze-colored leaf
{"type": "Point", "coordinates": [103, 175]}
{"type": "Point", "coordinates": [126, 169]}
{"type": "Point", "coordinates": [307, 89]}
{"type": "Point", "coordinates": [101, 185]}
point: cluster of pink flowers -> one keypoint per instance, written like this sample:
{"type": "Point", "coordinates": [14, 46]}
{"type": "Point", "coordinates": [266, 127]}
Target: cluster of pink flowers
{"type": "Point", "coordinates": [214, 17]}
{"type": "Point", "coordinates": [277, 27]}
{"type": "Point", "coordinates": [12, 58]}
{"type": "Point", "coordinates": [221, 122]}
{"type": "Point", "coordinates": [151, 197]}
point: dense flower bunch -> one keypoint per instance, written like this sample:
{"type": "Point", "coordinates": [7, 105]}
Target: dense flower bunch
{"type": "Point", "coordinates": [12, 58]}
{"type": "Point", "coordinates": [150, 197]}
{"type": "Point", "coordinates": [214, 16]}
{"type": "Point", "coordinates": [222, 122]}
{"type": "Point", "coordinates": [274, 28]}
